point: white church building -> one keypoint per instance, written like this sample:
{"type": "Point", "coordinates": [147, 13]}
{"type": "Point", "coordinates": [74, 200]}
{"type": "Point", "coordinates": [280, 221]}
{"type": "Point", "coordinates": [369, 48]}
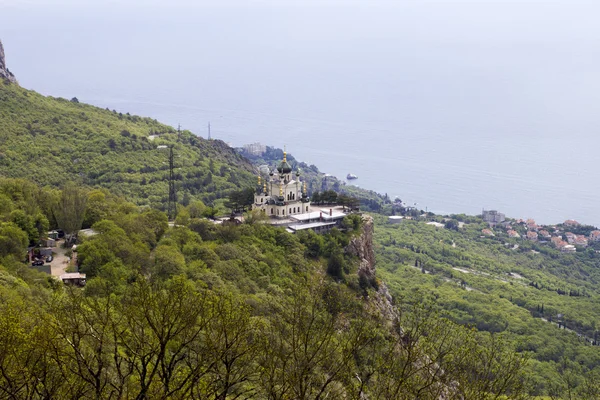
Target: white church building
{"type": "Point", "coordinates": [282, 194]}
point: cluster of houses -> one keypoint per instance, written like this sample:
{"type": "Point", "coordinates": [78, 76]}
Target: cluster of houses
{"type": "Point", "coordinates": [562, 239]}
{"type": "Point", "coordinates": [42, 258]}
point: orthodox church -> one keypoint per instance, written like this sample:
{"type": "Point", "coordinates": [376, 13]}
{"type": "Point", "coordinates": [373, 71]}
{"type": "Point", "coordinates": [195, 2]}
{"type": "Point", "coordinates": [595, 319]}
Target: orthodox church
{"type": "Point", "coordinates": [282, 194]}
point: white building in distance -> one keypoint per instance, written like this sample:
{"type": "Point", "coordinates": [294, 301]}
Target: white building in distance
{"type": "Point", "coordinates": [255, 149]}
{"type": "Point", "coordinates": [493, 217]}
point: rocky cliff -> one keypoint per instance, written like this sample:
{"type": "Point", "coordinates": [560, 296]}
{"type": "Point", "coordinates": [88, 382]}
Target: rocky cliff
{"type": "Point", "coordinates": [361, 246]}
{"type": "Point", "coordinates": [5, 72]}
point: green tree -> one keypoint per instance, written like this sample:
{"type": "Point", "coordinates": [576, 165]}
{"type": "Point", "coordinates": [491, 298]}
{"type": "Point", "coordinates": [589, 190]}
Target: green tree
{"type": "Point", "coordinates": [336, 265]}
{"type": "Point", "coordinates": [451, 224]}
{"type": "Point", "coordinates": [26, 223]}
{"type": "Point", "coordinates": [168, 261]}
{"type": "Point", "coordinates": [70, 209]}
{"type": "Point", "coordinates": [13, 241]}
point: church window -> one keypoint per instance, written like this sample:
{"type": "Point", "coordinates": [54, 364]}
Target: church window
{"type": "Point", "coordinates": [306, 208]}
{"type": "Point", "coordinates": [283, 211]}
{"type": "Point", "coordinates": [271, 211]}
{"type": "Point", "coordinates": [261, 199]}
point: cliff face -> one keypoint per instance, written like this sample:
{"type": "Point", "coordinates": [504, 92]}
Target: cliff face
{"type": "Point", "coordinates": [381, 301]}
{"type": "Point", "coordinates": [4, 72]}
{"type": "Point", "coordinates": [362, 247]}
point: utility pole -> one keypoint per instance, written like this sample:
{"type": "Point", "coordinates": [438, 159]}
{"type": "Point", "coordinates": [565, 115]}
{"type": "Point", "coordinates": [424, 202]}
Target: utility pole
{"type": "Point", "coordinates": [172, 206]}
{"type": "Point", "coordinates": [209, 131]}
{"type": "Point", "coordinates": [178, 131]}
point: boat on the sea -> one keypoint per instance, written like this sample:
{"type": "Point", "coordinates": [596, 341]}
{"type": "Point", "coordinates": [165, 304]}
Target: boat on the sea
{"type": "Point", "coordinates": [351, 176]}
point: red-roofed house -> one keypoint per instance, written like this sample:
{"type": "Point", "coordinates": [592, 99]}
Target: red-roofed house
{"type": "Point", "coordinates": [531, 225]}
{"type": "Point", "coordinates": [571, 222]}
{"type": "Point", "coordinates": [595, 236]}
{"type": "Point", "coordinates": [533, 236]}
{"type": "Point", "coordinates": [487, 232]}
{"type": "Point", "coordinates": [581, 240]}
{"type": "Point", "coordinates": [558, 242]}
{"type": "Point", "coordinates": [570, 237]}
{"type": "Point", "coordinates": [545, 234]}
{"type": "Point", "coordinates": [513, 234]}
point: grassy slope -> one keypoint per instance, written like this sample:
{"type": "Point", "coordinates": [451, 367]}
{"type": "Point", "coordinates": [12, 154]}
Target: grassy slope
{"type": "Point", "coordinates": [50, 141]}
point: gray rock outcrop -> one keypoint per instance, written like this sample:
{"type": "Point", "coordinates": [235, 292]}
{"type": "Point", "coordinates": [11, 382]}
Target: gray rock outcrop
{"type": "Point", "coordinates": [380, 302]}
{"type": "Point", "coordinates": [5, 72]}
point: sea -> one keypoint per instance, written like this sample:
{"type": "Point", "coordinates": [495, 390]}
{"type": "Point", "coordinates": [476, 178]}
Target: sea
{"type": "Point", "coordinates": [452, 106]}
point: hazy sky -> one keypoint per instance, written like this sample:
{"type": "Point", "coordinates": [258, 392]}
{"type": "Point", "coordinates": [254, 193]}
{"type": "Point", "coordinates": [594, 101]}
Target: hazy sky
{"type": "Point", "coordinates": [465, 61]}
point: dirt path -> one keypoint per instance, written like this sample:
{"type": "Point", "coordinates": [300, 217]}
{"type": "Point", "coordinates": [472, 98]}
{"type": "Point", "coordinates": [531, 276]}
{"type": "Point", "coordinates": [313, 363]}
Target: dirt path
{"type": "Point", "coordinates": [60, 263]}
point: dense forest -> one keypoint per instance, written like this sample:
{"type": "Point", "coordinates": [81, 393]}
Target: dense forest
{"type": "Point", "coordinates": [195, 309]}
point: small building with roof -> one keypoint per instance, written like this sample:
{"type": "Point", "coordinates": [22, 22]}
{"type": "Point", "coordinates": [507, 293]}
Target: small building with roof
{"type": "Point", "coordinates": [545, 234]}
{"type": "Point", "coordinates": [73, 278]}
{"type": "Point", "coordinates": [595, 236]}
{"type": "Point", "coordinates": [318, 221]}
{"type": "Point", "coordinates": [513, 234]}
{"type": "Point", "coordinates": [533, 236]}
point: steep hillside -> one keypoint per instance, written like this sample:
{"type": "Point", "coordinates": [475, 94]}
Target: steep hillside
{"type": "Point", "coordinates": [51, 141]}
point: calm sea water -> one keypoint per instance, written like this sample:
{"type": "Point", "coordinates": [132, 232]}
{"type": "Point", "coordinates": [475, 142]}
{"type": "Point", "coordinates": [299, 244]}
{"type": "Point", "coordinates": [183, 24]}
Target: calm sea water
{"type": "Point", "coordinates": [455, 106]}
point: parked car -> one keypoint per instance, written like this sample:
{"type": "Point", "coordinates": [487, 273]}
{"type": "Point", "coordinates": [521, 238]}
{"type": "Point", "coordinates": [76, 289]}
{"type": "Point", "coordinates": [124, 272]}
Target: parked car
{"type": "Point", "coordinates": [49, 259]}
{"type": "Point", "coordinates": [37, 262]}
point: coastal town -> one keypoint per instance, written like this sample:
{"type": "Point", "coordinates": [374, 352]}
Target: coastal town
{"type": "Point", "coordinates": [568, 237]}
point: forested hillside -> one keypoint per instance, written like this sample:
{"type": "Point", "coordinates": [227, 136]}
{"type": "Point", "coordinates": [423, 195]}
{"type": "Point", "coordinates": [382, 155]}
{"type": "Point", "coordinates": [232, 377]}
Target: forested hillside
{"type": "Point", "coordinates": [207, 311]}
{"type": "Point", "coordinates": [544, 301]}
{"type": "Point", "coordinates": [52, 141]}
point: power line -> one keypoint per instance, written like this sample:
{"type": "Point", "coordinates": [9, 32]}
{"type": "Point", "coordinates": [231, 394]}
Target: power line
{"type": "Point", "coordinates": [172, 205]}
